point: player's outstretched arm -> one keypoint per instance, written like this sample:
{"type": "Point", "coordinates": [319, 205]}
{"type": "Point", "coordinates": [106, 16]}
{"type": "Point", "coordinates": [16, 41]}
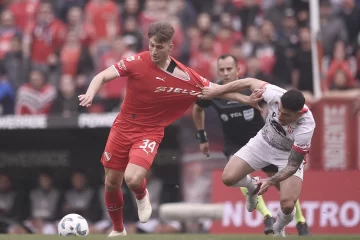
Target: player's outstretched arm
{"type": "Point", "coordinates": [216, 90]}
{"type": "Point", "coordinates": [101, 78]}
{"type": "Point", "coordinates": [253, 100]}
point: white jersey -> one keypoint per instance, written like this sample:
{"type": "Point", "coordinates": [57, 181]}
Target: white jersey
{"type": "Point", "coordinates": [296, 135]}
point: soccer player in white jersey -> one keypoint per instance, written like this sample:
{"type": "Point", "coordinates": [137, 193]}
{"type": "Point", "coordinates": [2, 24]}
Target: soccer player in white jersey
{"type": "Point", "coordinates": [283, 141]}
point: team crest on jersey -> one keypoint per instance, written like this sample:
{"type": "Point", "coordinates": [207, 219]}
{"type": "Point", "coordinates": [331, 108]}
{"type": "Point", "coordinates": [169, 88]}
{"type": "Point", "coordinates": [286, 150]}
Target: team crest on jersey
{"type": "Point", "coordinates": [249, 114]}
{"type": "Point", "coordinates": [290, 129]}
{"type": "Point", "coordinates": [130, 58]}
{"type": "Point", "coordinates": [224, 117]}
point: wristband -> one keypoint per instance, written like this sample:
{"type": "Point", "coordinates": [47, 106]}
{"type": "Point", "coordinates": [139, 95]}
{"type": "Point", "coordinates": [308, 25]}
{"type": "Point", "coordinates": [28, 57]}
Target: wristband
{"type": "Point", "coordinates": [201, 135]}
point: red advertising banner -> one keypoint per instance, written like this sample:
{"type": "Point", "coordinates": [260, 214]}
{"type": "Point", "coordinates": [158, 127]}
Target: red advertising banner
{"type": "Point", "coordinates": [330, 203]}
{"type": "Point", "coordinates": [335, 143]}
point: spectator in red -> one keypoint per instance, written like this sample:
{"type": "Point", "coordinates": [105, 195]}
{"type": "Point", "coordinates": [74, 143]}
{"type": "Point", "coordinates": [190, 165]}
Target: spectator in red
{"type": "Point", "coordinates": [131, 9]}
{"type": "Point", "coordinates": [237, 51]}
{"type": "Point", "coordinates": [204, 59]}
{"type": "Point", "coordinates": [104, 15]}
{"type": "Point", "coordinates": [155, 10]}
{"type": "Point", "coordinates": [75, 22]}
{"type": "Point", "coordinates": [339, 61]}
{"type": "Point", "coordinates": [75, 58]}
{"type": "Point", "coordinates": [341, 80]}
{"type": "Point", "coordinates": [8, 30]}
{"type": "Point", "coordinates": [226, 38]}
{"type": "Point", "coordinates": [36, 96]}
{"type": "Point", "coordinates": [45, 37]}
{"type": "Point", "coordinates": [24, 12]}
{"type": "Point", "coordinates": [113, 92]}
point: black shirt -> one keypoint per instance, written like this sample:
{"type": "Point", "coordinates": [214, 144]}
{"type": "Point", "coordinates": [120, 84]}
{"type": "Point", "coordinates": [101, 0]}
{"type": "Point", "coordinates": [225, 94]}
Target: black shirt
{"type": "Point", "coordinates": [240, 122]}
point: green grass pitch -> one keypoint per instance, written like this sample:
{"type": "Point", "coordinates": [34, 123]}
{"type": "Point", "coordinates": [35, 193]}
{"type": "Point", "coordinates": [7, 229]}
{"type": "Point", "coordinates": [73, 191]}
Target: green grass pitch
{"type": "Point", "coordinates": [176, 237]}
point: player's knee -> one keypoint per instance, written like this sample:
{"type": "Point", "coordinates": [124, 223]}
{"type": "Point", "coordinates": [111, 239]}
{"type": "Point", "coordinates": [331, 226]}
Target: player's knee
{"type": "Point", "coordinates": [111, 184]}
{"type": "Point", "coordinates": [287, 205]}
{"type": "Point", "coordinates": [133, 181]}
{"type": "Point", "coordinates": [227, 179]}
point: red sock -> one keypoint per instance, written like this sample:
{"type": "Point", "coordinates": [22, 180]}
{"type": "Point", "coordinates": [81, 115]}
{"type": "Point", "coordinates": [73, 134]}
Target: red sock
{"type": "Point", "coordinates": [114, 202]}
{"type": "Point", "coordinates": [140, 192]}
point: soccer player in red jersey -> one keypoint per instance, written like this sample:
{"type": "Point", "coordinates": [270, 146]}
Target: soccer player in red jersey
{"type": "Point", "coordinates": [159, 90]}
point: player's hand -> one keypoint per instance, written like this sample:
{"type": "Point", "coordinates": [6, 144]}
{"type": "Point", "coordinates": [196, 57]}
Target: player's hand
{"type": "Point", "coordinates": [85, 100]}
{"type": "Point", "coordinates": [265, 183]}
{"type": "Point", "coordinates": [204, 148]}
{"type": "Point", "coordinates": [210, 92]}
{"type": "Point", "coordinates": [256, 97]}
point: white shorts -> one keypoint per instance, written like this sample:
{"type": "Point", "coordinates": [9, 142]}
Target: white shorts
{"type": "Point", "coordinates": [258, 154]}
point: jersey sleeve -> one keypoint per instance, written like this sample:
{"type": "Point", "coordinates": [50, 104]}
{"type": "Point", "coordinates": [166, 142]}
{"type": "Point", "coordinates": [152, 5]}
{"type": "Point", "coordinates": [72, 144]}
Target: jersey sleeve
{"type": "Point", "coordinates": [203, 103]}
{"type": "Point", "coordinates": [271, 91]}
{"type": "Point", "coordinates": [127, 66]}
{"type": "Point", "coordinates": [302, 142]}
{"type": "Point", "coordinates": [203, 82]}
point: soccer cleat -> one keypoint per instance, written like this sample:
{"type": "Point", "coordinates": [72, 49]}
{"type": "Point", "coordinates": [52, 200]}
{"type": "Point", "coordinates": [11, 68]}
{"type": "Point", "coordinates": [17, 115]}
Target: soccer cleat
{"type": "Point", "coordinates": [280, 233]}
{"type": "Point", "coordinates": [268, 222]}
{"type": "Point", "coordinates": [252, 198]}
{"type": "Point", "coordinates": [303, 229]}
{"type": "Point", "coordinates": [144, 208]}
{"type": "Point", "coordinates": [117, 234]}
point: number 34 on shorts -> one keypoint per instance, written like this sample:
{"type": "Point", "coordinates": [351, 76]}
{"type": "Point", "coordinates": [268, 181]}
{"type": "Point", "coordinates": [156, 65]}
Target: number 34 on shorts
{"type": "Point", "coordinates": [148, 146]}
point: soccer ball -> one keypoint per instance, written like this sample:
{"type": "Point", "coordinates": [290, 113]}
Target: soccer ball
{"type": "Point", "coordinates": [73, 225]}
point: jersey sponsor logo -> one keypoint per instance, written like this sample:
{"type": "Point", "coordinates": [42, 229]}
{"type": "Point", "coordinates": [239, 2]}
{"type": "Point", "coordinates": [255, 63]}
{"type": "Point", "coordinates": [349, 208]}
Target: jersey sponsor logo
{"type": "Point", "coordinates": [107, 156]}
{"type": "Point", "coordinates": [224, 117]}
{"type": "Point", "coordinates": [236, 114]}
{"type": "Point", "coordinates": [177, 90]}
{"type": "Point", "coordinates": [249, 114]}
{"type": "Point", "coordinates": [160, 79]}
{"type": "Point", "coordinates": [278, 128]}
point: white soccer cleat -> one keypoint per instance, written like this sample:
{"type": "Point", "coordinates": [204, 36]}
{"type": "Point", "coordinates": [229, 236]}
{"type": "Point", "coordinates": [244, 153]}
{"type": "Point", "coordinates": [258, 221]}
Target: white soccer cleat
{"type": "Point", "coordinates": [251, 198]}
{"type": "Point", "coordinates": [281, 233]}
{"type": "Point", "coordinates": [117, 234]}
{"type": "Point", "coordinates": [144, 208]}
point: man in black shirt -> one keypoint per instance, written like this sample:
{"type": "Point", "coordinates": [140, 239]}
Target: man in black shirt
{"type": "Point", "coordinates": [240, 122]}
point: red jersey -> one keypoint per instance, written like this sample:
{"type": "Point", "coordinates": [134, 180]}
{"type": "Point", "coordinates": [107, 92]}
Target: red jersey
{"type": "Point", "coordinates": [154, 97]}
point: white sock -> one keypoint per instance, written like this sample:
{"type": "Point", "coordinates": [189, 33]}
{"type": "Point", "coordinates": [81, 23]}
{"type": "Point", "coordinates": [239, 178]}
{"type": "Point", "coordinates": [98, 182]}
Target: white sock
{"type": "Point", "coordinates": [246, 182]}
{"type": "Point", "coordinates": [282, 220]}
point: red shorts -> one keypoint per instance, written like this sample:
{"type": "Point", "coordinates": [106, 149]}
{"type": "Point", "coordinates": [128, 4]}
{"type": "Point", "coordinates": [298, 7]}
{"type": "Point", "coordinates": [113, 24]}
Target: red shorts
{"type": "Point", "coordinates": [130, 143]}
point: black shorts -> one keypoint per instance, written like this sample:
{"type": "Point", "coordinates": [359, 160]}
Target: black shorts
{"type": "Point", "coordinates": [268, 168]}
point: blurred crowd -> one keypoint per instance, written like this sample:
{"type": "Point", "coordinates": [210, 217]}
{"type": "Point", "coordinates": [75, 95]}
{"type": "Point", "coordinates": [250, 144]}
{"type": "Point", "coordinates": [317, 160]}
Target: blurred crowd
{"type": "Point", "coordinates": [50, 50]}
{"type": "Point", "coordinates": [38, 209]}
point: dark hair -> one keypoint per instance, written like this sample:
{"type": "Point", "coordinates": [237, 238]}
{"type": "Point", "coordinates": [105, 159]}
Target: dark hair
{"type": "Point", "coordinates": [293, 100]}
{"type": "Point", "coordinates": [223, 56]}
{"type": "Point", "coordinates": [162, 31]}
